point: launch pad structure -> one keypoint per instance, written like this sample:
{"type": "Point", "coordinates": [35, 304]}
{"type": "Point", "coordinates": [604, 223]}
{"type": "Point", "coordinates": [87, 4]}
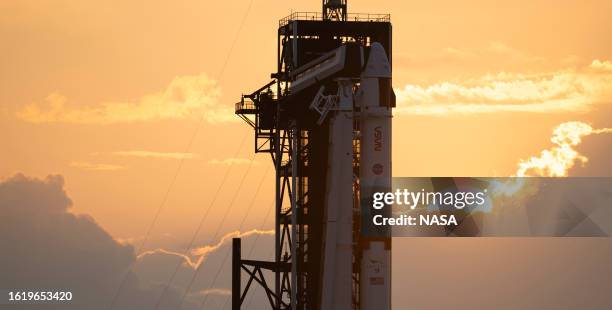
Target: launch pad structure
{"type": "Point", "coordinates": [325, 119]}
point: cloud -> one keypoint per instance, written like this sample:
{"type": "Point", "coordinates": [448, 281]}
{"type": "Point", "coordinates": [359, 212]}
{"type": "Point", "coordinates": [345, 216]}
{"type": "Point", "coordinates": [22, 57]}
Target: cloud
{"type": "Point", "coordinates": [495, 49]}
{"type": "Point", "coordinates": [601, 65]}
{"type": "Point", "coordinates": [186, 97]}
{"type": "Point", "coordinates": [45, 246]}
{"type": "Point", "coordinates": [568, 90]}
{"type": "Point", "coordinates": [556, 161]}
{"type": "Point", "coordinates": [213, 291]}
{"type": "Point", "coordinates": [161, 155]}
{"type": "Point", "coordinates": [199, 254]}
{"type": "Point", "coordinates": [231, 161]}
{"type": "Point", "coordinates": [513, 54]}
{"type": "Point", "coordinates": [458, 53]}
{"type": "Point", "coordinates": [492, 55]}
{"type": "Point", "coordinates": [174, 267]}
{"type": "Point", "coordinates": [129, 240]}
{"type": "Point", "coordinates": [185, 258]}
{"type": "Point", "coordinates": [206, 250]}
{"type": "Point", "coordinates": [95, 167]}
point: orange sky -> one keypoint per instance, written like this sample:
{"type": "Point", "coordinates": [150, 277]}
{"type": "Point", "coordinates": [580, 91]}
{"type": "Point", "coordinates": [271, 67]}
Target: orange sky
{"type": "Point", "coordinates": [108, 94]}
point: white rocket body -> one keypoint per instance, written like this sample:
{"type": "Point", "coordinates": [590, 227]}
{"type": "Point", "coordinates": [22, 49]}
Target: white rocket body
{"type": "Point", "coordinates": [373, 100]}
{"type": "Point", "coordinates": [375, 173]}
{"type": "Point", "coordinates": [338, 268]}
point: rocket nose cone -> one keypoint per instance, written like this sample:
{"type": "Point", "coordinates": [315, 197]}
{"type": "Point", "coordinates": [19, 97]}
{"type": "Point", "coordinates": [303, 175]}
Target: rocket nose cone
{"type": "Point", "coordinates": [378, 65]}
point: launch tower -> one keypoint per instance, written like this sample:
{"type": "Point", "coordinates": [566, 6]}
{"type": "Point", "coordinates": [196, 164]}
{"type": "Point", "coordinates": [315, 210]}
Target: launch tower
{"type": "Point", "coordinates": [325, 119]}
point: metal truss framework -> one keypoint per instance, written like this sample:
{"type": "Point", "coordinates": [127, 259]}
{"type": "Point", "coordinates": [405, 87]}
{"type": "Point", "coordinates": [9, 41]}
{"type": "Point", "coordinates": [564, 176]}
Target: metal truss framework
{"type": "Point", "coordinates": [298, 145]}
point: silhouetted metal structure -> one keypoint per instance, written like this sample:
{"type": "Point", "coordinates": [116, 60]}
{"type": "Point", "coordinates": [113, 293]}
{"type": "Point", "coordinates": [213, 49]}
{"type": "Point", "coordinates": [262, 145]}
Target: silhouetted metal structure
{"type": "Point", "coordinates": [319, 55]}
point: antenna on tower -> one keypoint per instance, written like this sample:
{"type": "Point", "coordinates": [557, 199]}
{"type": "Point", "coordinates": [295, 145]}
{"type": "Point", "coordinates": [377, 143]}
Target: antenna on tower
{"type": "Point", "coordinates": [334, 10]}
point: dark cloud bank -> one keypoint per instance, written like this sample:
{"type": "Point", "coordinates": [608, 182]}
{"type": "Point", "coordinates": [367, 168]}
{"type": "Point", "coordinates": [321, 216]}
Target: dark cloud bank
{"type": "Point", "coordinates": [45, 246]}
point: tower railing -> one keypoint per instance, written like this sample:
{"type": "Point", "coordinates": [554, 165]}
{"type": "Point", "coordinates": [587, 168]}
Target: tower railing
{"type": "Point", "coordinates": [245, 106]}
{"type": "Point", "coordinates": [357, 17]}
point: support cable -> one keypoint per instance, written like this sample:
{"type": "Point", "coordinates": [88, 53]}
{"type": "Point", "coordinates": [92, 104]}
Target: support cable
{"type": "Point", "coordinates": [199, 227]}
{"type": "Point", "coordinates": [179, 168]}
{"type": "Point", "coordinates": [239, 229]}
{"type": "Point", "coordinates": [263, 225]}
{"type": "Point", "coordinates": [218, 229]}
